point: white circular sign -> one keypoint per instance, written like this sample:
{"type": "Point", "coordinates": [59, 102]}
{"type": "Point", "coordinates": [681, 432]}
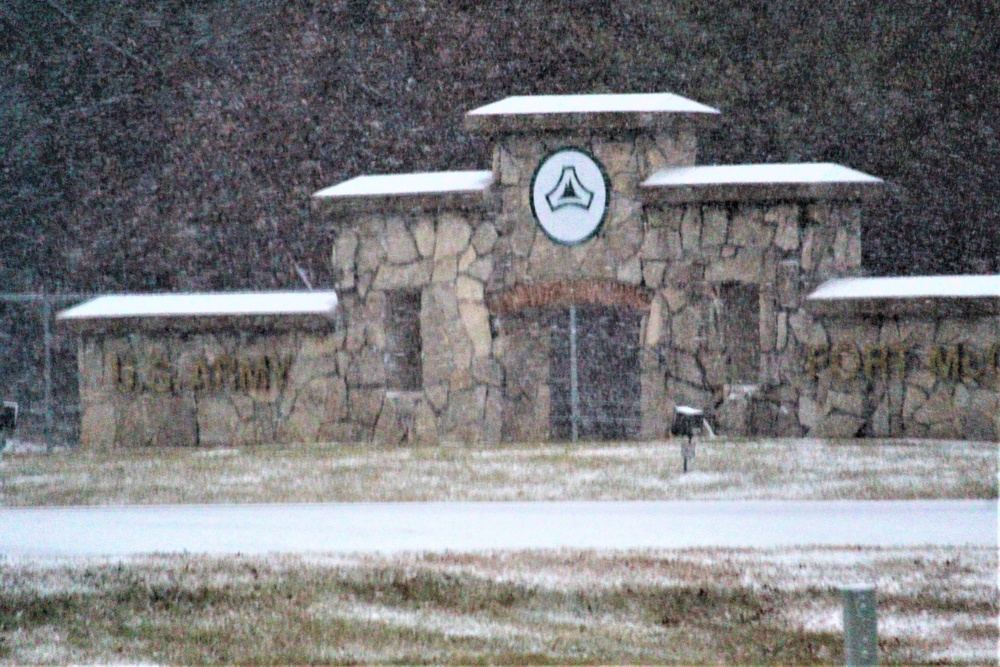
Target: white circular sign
{"type": "Point", "coordinates": [569, 196]}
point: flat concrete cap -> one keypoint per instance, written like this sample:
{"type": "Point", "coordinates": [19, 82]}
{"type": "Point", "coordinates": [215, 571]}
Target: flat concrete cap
{"type": "Point", "coordinates": [441, 189]}
{"type": "Point", "coordinates": [567, 112]}
{"type": "Point", "coordinates": [759, 182]}
{"type": "Point", "coordinates": [223, 304]}
{"type": "Point", "coordinates": [916, 294]}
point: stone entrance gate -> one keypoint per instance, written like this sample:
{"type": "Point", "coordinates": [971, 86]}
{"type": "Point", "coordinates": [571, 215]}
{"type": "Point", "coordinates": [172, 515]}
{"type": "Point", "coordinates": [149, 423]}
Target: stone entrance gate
{"type": "Point", "coordinates": [685, 284]}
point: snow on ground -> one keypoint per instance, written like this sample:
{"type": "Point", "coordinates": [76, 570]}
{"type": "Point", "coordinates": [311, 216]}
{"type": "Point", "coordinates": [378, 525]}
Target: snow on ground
{"type": "Point", "coordinates": [447, 623]}
{"type": "Point", "coordinates": [722, 470]}
{"type": "Point", "coordinates": [927, 596]}
{"type": "Point", "coordinates": [216, 453]}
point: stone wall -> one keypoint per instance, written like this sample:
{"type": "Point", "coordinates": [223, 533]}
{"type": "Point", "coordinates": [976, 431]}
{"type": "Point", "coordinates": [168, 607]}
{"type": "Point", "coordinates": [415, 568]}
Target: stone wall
{"type": "Point", "coordinates": [449, 257]}
{"type": "Point", "coordinates": [784, 249]}
{"type": "Point", "coordinates": [491, 284]}
{"type": "Point", "coordinates": [484, 364]}
{"type": "Point", "coordinates": [474, 366]}
{"type": "Point", "coordinates": [209, 388]}
{"type": "Point", "coordinates": [693, 296]}
{"type": "Point", "coordinates": [924, 375]}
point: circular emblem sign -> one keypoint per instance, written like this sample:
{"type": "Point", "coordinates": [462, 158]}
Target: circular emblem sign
{"type": "Point", "coordinates": [569, 196]}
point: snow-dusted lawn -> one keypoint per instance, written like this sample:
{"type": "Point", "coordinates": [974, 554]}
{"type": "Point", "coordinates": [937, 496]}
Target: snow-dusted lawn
{"type": "Point", "coordinates": [766, 469]}
{"type": "Point", "coordinates": [718, 606]}
{"type": "Point", "coordinates": [652, 606]}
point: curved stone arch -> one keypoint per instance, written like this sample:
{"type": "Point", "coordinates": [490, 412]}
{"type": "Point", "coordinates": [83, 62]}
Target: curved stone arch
{"type": "Point", "coordinates": [560, 293]}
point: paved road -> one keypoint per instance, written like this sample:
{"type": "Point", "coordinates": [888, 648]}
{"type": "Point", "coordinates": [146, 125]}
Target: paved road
{"type": "Point", "coordinates": [390, 527]}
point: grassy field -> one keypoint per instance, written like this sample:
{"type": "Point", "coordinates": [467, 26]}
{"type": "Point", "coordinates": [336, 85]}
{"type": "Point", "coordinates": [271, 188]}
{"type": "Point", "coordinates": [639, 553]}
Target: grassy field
{"type": "Point", "coordinates": [779, 469]}
{"type": "Point", "coordinates": [690, 606]}
{"type": "Point", "coordinates": [936, 605]}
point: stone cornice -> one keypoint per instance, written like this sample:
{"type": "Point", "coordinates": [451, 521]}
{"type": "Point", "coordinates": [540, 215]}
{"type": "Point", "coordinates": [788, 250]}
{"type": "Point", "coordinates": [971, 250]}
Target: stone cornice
{"type": "Point", "coordinates": [906, 307]}
{"type": "Point", "coordinates": [589, 112]}
{"type": "Point", "coordinates": [417, 192]}
{"type": "Point", "coordinates": [760, 192]}
{"type": "Point", "coordinates": [405, 203]}
{"type": "Point", "coordinates": [759, 182]}
{"type": "Point", "coordinates": [181, 325]}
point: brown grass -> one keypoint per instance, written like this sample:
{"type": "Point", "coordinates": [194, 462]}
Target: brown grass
{"type": "Point", "coordinates": [542, 607]}
{"type": "Point", "coordinates": [723, 469]}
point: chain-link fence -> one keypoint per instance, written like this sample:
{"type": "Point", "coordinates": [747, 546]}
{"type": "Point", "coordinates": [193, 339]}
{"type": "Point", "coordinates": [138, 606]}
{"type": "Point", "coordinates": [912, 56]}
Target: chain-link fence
{"type": "Point", "coordinates": [38, 368]}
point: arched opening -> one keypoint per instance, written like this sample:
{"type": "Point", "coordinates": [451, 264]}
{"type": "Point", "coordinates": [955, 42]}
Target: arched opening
{"type": "Point", "coordinates": [594, 373]}
{"type": "Point", "coordinates": [572, 360]}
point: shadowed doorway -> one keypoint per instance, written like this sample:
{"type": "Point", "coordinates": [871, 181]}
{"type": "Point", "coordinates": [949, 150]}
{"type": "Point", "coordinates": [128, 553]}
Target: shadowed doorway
{"type": "Point", "coordinates": [594, 373]}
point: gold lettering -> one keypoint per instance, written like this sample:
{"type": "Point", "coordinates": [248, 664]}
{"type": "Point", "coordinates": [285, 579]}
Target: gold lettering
{"type": "Point", "coordinates": [973, 366]}
{"type": "Point", "coordinates": [842, 370]}
{"type": "Point", "coordinates": [993, 359]}
{"type": "Point", "coordinates": [160, 377]}
{"type": "Point", "coordinates": [123, 375]}
{"type": "Point", "coordinates": [900, 351]}
{"type": "Point", "coordinates": [876, 358]}
{"type": "Point", "coordinates": [222, 373]}
{"type": "Point", "coordinates": [945, 361]}
{"type": "Point", "coordinates": [817, 359]}
{"type": "Point", "coordinates": [253, 375]}
{"type": "Point", "coordinates": [281, 370]}
{"type": "Point", "coordinates": [201, 375]}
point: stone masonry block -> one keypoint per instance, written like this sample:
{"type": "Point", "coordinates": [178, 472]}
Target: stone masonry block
{"type": "Point", "coordinates": [453, 234]}
{"type": "Point", "coordinates": [399, 245]}
{"type": "Point", "coordinates": [749, 229]}
{"type": "Point", "coordinates": [784, 219]}
{"type": "Point", "coordinates": [623, 231]}
{"type": "Point", "coordinates": [691, 229]}
{"type": "Point", "coordinates": [423, 236]}
{"type": "Point", "coordinates": [686, 329]}
{"type": "Point", "coordinates": [654, 244]}
{"type": "Point", "coordinates": [746, 267]}
{"type": "Point", "coordinates": [652, 274]}
{"type": "Point", "coordinates": [716, 226]}
{"type": "Point", "coordinates": [412, 275]}
{"type": "Point", "coordinates": [484, 238]}
{"type": "Point", "coordinates": [630, 271]}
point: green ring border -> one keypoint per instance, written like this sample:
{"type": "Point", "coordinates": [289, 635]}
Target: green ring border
{"type": "Point", "coordinates": [607, 188]}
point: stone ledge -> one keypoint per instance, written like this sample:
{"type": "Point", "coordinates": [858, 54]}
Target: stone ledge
{"type": "Point", "coordinates": [405, 203]}
{"type": "Point", "coordinates": [604, 111]}
{"type": "Point", "coordinates": [256, 323]}
{"type": "Point", "coordinates": [901, 306]}
{"type": "Point", "coordinates": [596, 122]}
{"type": "Point", "coordinates": [756, 182]}
{"type": "Point", "coordinates": [424, 191]}
{"type": "Point", "coordinates": [759, 192]}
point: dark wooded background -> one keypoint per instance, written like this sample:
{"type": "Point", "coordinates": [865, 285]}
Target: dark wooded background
{"type": "Point", "coordinates": [173, 144]}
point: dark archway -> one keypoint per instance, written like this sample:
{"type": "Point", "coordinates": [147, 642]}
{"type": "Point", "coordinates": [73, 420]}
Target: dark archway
{"type": "Point", "coordinates": [536, 333]}
{"type": "Point", "coordinates": [607, 373]}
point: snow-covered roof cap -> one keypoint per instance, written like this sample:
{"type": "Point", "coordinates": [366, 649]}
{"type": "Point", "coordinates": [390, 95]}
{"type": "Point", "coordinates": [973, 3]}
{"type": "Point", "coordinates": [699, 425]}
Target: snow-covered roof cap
{"type": "Point", "coordinates": [895, 294]}
{"type": "Point", "coordinates": [634, 110]}
{"type": "Point", "coordinates": [441, 188]}
{"type": "Point", "coordinates": [809, 180]}
{"type": "Point", "coordinates": [953, 287]}
{"type": "Point", "coordinates": [172, 307]}
{"type": "Point", "coordinates": [410, 184]}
